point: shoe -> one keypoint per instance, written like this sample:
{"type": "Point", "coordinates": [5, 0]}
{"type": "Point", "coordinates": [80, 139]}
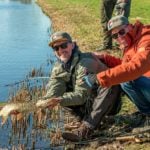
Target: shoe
{"type": "Point", "coordinates": [144, 126]}
{"type": "Point", "coordinates": [79, 134]}
{"type": "Point", "coordinates": [72, 125]}
{"type": "Point", "coordinates": [147, 121]}
{"type": "Point", "coordinates": [137, 119]}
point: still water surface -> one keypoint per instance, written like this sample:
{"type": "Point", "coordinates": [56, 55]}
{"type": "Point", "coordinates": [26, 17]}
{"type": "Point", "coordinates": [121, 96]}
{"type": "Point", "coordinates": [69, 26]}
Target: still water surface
{"type": "Point", "coordinates": [24, 36]}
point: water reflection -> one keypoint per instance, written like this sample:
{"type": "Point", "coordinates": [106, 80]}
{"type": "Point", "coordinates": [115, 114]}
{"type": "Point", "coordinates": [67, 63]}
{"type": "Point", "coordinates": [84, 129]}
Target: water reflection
{"type": "Point", "coordinates": [23, 41]}
{"type": "Point", "coordinates": [28, 135]}
{"type": "Point", "coordinates": [24, 1]}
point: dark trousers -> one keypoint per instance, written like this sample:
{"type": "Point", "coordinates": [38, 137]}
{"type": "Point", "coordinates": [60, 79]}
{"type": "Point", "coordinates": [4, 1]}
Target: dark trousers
{"type": "Point", "coordinates": [107, 7]}
{"type": "Point", "coordinates": [107, 102]}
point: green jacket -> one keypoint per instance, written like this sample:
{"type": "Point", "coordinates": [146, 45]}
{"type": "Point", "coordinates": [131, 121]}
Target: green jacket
{"type": "Point", "coordinates": [67, 83]}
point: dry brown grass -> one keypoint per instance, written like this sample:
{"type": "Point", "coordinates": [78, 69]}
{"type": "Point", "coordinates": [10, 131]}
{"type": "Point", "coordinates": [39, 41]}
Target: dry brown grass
{"type": "Point", "coordinates": [82, 25]}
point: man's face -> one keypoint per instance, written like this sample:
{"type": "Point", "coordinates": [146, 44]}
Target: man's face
{"type": "Point", "coordinates": [120, 34]}
{"type": "Point", "coordinates": [63, 50]}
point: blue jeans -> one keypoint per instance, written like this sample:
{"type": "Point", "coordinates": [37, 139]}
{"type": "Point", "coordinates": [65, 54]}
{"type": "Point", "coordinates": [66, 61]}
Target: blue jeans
{"type": "Point", "coordinates": [139, 92]}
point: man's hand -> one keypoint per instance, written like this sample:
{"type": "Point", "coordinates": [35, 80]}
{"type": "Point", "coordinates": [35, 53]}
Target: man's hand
{"type": "Point", "coordinates": [53, 102]}
{"type": "Point", "coordinates": [90, 80]}
{"type": "Point", "coordinates": [49, 103]}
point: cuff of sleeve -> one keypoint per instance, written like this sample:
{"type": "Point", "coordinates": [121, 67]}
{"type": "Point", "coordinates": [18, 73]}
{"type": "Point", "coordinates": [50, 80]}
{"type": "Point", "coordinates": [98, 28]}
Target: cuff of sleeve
{"type": "Point", "coordinates": [101, 79]}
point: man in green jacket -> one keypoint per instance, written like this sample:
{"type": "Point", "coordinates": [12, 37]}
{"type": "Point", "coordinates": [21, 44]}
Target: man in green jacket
{"type": "Point", "coordinates": [121, 7]}
{"type": "Point", "coordinates": [67, 88]}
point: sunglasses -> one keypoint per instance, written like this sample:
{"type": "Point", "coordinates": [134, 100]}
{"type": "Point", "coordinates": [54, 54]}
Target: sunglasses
{"type": "Point", "coordinates": [122, 32]}
{"type": "Point", "coordinates": [62, 46]}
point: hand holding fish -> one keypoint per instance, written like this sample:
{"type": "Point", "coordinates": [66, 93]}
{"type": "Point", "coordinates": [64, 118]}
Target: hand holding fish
{"type": "Point", "coordinates": [49, 103]}
{"type": "Point", "coordinates": [26, 107]}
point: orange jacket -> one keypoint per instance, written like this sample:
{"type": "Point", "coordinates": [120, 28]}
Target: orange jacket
{"type": "Point", "coordinates": [135, 62]}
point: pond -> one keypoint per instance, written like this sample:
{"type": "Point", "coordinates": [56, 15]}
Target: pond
{"type": "Point", "coordinates": [27, 133]}
{"type": "Point", "coordinates": [24, 38]}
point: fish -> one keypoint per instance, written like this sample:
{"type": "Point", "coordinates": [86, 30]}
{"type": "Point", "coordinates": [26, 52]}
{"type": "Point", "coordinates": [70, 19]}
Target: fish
{"type": "Point", "coordinates": [43, 103]}
{"type": "Point", "coordinates": [22, 107]}
{"type": "Point", "coordinates": [16, 107]}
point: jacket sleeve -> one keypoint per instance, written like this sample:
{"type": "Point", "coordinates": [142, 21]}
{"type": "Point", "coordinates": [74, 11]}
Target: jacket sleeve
{"type": "Point", "coordinates": [110, 61]}
{"type": "Point", "coordinates": [55, 87]}
{"type": "Point", "coordinates": [137, 66]}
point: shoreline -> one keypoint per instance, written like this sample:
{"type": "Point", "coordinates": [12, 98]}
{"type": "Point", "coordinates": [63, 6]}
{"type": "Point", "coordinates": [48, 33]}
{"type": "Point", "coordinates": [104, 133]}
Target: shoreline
{"type": "Point", "coordinates": [81, 28]}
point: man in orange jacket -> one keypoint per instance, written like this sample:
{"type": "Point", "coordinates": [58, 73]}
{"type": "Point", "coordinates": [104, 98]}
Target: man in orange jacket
{"type": "Point", "coordinates": [133, 71]}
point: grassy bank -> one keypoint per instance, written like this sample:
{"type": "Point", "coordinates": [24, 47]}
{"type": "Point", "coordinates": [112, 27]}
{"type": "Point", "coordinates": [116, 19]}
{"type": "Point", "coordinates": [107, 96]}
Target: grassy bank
{"type": "Point", "coordinates": [77, 18]}
{"type": "Point", "coordinates": [81, 18]}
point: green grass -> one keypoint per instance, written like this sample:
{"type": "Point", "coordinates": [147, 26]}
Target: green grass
{"type": "Point", "coordinates": [83, 19]}
{"type": "Point", "coordinates": [138, 8]}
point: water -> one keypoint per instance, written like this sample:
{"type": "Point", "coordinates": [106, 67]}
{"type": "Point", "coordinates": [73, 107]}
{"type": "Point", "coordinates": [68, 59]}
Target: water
{"type": "Point", "coordinates": [27, 135]}
{"type": "Point", "coordinates": [24, 36]}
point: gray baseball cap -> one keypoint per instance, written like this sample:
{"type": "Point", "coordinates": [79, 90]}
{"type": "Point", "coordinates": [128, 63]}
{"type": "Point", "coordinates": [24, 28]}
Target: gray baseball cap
{"type": "Point", "coordinates": [59, 36]}
{"type": "Point", "coordinates": [116, 22]}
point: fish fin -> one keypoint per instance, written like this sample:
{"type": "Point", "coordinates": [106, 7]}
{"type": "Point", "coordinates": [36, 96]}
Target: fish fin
{"type": "Point", "coordinates": [3, 120]}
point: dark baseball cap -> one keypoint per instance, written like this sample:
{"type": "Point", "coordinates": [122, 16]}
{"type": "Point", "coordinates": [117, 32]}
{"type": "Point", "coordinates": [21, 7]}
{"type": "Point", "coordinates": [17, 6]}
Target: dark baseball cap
{"type": "Point", "coordinates": [116, 22]}
{"type": "Point", "coordinates": [59, 36]}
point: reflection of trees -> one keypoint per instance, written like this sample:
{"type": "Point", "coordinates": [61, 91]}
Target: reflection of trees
{"type": "Point", "coordinates": [24, 1]}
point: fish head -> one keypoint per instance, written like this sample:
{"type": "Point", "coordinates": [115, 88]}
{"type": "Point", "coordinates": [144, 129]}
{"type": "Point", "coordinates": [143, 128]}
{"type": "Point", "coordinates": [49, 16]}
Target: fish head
{"type": "Point", "coordinates": [6, 111]}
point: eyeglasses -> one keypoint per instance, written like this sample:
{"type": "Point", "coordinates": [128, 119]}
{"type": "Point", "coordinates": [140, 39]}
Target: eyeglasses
{"type": "Point", "coordinates": [62, 46]}
{"type": "Point", "coordinates": [122, 32]}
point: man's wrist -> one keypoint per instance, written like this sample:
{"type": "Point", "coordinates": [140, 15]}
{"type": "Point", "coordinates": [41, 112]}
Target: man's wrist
{"type": "Point", "coordinates": [60, 99]}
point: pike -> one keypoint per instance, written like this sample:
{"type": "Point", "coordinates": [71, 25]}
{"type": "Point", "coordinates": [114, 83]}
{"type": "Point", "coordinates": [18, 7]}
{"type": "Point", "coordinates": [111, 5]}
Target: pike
{"type": "Point", "coordinates": [22, 107]}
